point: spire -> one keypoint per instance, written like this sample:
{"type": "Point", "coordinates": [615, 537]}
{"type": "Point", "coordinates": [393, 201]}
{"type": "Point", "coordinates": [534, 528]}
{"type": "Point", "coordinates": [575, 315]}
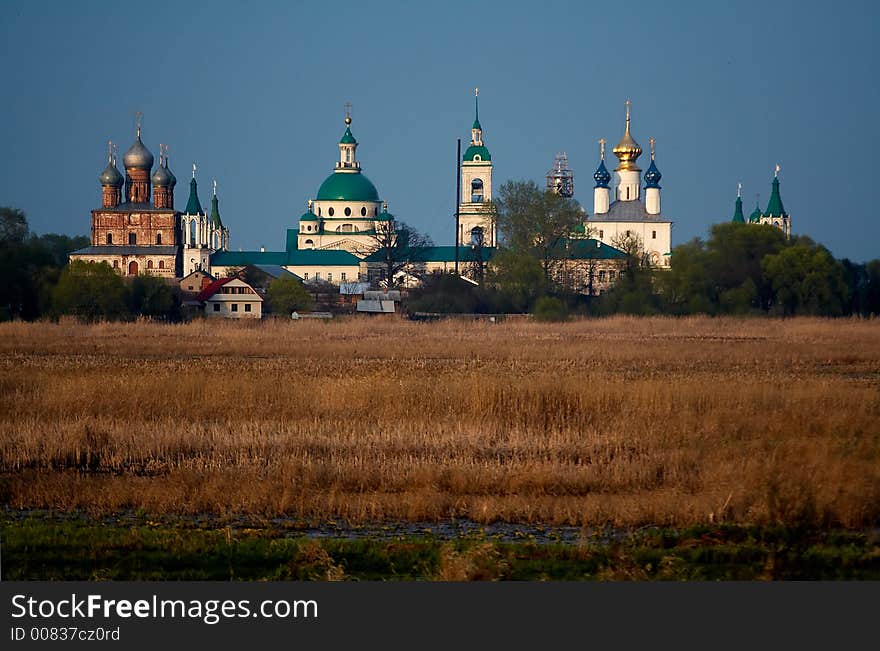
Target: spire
{"type": "Point", "coordinates": [738, 217]}
{"type": "Point", "coordinates": [139, 114]}
{"type": "Point", "coordinates": [193, 206]}
{"type": "Point", "coordinates": [476, 129]}
{"type": "Point", "coordinates": [774, 206]}
{"type": "Point", "coordinates": [477, 109]}
{"type": "Point", "coordinates": [215, 209]}
{"type": "Point", "coordinates": [627, 150]}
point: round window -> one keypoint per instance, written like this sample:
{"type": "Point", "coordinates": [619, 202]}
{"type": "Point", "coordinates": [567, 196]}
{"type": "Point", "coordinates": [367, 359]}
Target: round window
{"type": "Point", "coordinates": [330, 211]}
{"type": "Point", "coordinates": [347, 211]}
{"type": "Point", "coordinates": [364, 211]}
{"type": "Point", "coordinates": [478, 158]}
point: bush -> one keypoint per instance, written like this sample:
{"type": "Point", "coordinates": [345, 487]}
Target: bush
{"type": "Point", "coordinates": [550, 308]}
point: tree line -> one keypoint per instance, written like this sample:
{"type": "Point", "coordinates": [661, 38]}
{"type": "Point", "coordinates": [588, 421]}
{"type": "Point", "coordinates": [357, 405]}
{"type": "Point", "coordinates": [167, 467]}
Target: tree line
{"type": "Point", "coordinates": [38, 281]}
{"type": "Point", "coordinates": [740, 269]}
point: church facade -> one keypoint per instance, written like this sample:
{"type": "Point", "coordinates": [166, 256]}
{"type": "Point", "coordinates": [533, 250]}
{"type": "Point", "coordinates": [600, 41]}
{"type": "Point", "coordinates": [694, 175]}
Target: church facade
{"type": "Point", "coordinates": [137, 230]}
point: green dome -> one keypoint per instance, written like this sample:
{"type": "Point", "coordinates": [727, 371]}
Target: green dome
{"type": "Point", "coordinates": [347, 138]}
{"type": "Point", "coordinates": [477, 150]}
{"type": "Point", "coordinates": [347, 186]}
{"type": "Point", "coordinates": [308, 217]}
{"type": "Point", "coordinates": [385, 216]}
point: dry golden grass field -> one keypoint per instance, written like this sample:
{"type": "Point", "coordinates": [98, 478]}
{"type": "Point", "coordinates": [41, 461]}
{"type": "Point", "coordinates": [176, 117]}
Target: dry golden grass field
{"type": "Point", "coordinates": [620, 421]}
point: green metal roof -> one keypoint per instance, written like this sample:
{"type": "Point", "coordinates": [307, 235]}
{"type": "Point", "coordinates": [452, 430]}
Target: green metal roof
{"type": "Point", "coordinates": [738, 212]}
{"type": "Point", "coordinates": [774, 206]}
{"type": "Point", "coordinates": [437, 254]}
{"type": "Point", "coordinates": [474, 150]}
{"type": "Point", "coordinates": [347, 186]}
{"type": "Point", "coordinates": [347, 138]}
{"type": "Point", "coordinates": [587, 249]}
{"type": "Point", "coordinates": [308, 257]}
{"type": "Point", "coordinates": [193, 207]}
{"type": "Point", "coordinates": [215, 212]}
{"type": "Point", "coordinates": [309, 217]}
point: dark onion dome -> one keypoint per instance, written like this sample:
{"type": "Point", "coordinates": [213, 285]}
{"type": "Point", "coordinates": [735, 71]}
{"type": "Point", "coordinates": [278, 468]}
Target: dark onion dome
{"type": "Point", "coordinates": [161, 177]}
{"type": "Point", "coordinates": [347, 186]}
{"type": "Point", "coordinates": [602, 176]}
{"type": "Point", "coordinates": [172, 180]}
{"type": "Point", "coordinates": [111, 176]}
{"type": "Point", "coordinates": [652, 176]}
{"type": "Point", "coordinates": [138, 157]}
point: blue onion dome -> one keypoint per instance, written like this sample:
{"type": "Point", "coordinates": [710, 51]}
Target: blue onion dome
{"type": "Point", "coordinates": [602, 176]}
{"type": "Point", "coordinates": [138, 157]}
{"type": "Point", "coordinates": [161, 177]}
{"type": "Point", "coordinates": [111, 176]}
{"type": "Point", "coordinates": [652, 176]}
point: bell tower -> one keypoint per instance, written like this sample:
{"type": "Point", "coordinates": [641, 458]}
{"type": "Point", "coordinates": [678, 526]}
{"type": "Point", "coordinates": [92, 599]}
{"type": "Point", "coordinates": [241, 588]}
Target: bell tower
{"type": "Point", "coordinates": [475, 213]}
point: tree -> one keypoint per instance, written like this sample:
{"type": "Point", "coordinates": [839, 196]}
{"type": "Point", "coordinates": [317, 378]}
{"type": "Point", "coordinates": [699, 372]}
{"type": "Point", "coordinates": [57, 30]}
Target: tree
{"type": "Point", "coordinates": [518, 278]}
{"type": "Point", "coordinates": [396, 248]}
{"type": "Point", "coordinates": [286, 295]}
{"type": "Point", "coordinates": [152, 297]}
{"type": "Point", "coordinates": [90, 291]}
{"type": "Point", "coordinates": [13, 226]}
{"type": "Point", "coordinates": [536, 222]}
{"type": "Point", "coordinates": [806, 279]}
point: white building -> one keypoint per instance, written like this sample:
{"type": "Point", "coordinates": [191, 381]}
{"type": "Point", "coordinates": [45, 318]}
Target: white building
{"type": "Point", "coordinates": [347, 211]}
{"type": "Point", "coordinates": [231, 298]}
{"type": "Point", "coordinates": [201, 234]}
{"type": "Point", "coordinates": [630, 214]}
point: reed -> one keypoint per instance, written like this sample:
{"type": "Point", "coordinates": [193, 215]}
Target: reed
{"type": "Point", "coordinates": [622, 421]}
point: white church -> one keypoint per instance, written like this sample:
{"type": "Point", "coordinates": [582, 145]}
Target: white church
{"type": "Point", "coordinates": [630, 214]}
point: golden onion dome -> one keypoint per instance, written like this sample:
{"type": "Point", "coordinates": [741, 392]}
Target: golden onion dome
{"type": "Point", "coordinates": [627, 150]}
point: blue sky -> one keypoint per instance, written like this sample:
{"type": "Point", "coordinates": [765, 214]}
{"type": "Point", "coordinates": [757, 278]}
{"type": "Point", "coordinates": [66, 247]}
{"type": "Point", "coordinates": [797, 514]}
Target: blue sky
{"type": "Point", "coordinates": [254, 93]}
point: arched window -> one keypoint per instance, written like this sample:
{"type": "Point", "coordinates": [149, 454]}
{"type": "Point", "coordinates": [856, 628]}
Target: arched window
{"type": "Point", "coordinates": [330, 212]}
{"type": "Point", "coordinates": [116, 264]}
{"type": "Point", "coordinates": [319, 212]}
{"type": "Point", "coordinates": [161, 264]}
{"type": "Point", "coordinates": [158, 238]}
{"type": "Point", "coordinates": [133, 268]}
{"type": "Point", "coordinates": [347, 211]}
{"type": "Point", "coordinates": [109, 238]}
{"type": "Point", "coordinates": [308, 228]}
{"type": "Point", "coordinates": [477, 191]}
{"type": "Point", "coordinates": [477, 236]}
{"type": "Point", "coordinates": [364, 211]}
{"type": "Point", "coordinates": [192, 233]}
{"type": "Point", "coordinates": [132, 238]}
{"type": "Point", "coordinates": [310, 242]}
{"type": "Point", "coordinates": [376, 211]}
{"type": "Point", "coordinates": [149, 264]}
